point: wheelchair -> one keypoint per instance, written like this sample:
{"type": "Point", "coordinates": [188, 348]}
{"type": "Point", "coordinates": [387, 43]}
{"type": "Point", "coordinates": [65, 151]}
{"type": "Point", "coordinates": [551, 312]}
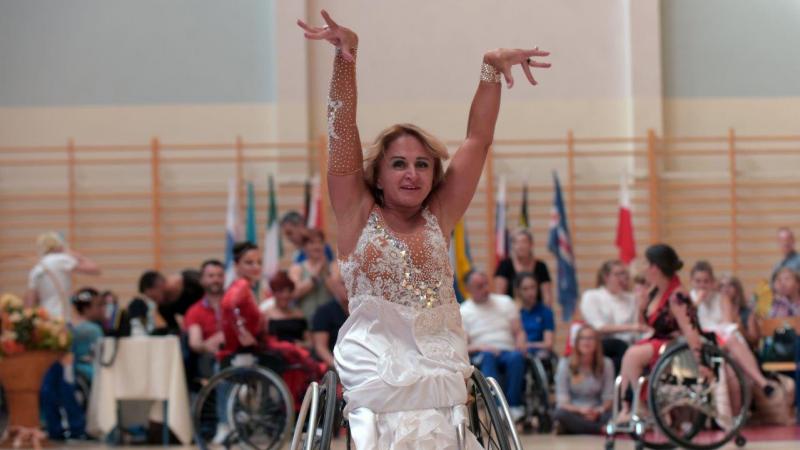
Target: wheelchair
{"type": "Point", "coordinates": [489, 419]}
{"type": "Point", "coordinates": [688, 404]}
{"type": "Point", "coordinates": [258, 406]}
{"type": "Point", "coordinates": [538, 390]}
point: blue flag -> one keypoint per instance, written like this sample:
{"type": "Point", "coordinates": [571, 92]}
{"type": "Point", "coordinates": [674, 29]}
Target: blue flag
{"type": "Point", "coordinates": [560, 245]}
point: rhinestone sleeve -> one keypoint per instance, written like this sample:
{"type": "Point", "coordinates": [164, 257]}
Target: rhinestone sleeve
{"type": "Point", "coordinates": [344, 143]}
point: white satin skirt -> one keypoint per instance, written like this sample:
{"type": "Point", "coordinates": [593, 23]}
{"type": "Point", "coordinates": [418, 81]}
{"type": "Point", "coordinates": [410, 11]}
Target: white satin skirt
{"type": "Point", "coordinates": [403, 371]}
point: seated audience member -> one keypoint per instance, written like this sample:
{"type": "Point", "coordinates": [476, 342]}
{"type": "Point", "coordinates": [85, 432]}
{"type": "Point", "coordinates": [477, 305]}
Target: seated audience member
{"type": "Point", "coordinates": [325, 326]}
{"type": "Point", "coordinates": [536, 317]}
{"type": "Point", "coordinates": [202, 318]}
{"type": "Point", "coordinates": [112, 312]}
{"type": "Point", "coordinates": [786, 302]}
{"type": "Point", "coordinates": [744, 314]}
{"type": "Point", "coordinates": [293, 227]}
{"type": "Point", "coordinates": [86, 329]}
{"type": "Point", "coordinates": [495, 338]}
{"type": "Point", "coordinates": [789, 256]}
{"type": "Point", "coordinates": [584, 387]}
{"type": "Point", "coordinates": [314, 277]}
{"type": "Point", "coordinates": [284, 320]}
{"type": "Point", "coordinates": [611, 311]}
{"type": "Point", "coordinates": [181, 292]}
{"type": "Point", "coordinates": [522, 260]}
{"type": "Point", "coordinates": [143, 314]}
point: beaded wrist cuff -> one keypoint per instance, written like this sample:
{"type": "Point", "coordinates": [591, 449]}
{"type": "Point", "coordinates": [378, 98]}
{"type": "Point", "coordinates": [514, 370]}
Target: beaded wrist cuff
{"type": "Point", "coordinates": [490, 74]}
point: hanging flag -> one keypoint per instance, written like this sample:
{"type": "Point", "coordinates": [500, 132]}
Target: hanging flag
{"type": "Point", "coordinates": [460, 259]}
{"type": "Point", "coordinates": [625, 241]}
{"type": "Point", "coordinates": [524, 222]}
{"type": "Point", "coordinates": [314, 217]}
{"type": "Point", "coordinates": [233, 231]}
{"type": "Point", "coordinates": [306, 198]}
{"type": "Point", "coordinates": [272, 238]}
{"type": "Point", "coordinates": [500, 229]}
{"type": "Point", "coordinates": [560, 245]}
{"type": "Point", "coordinates": [250, 224]}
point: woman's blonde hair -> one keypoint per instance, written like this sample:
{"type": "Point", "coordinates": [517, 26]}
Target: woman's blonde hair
{"type": "Point", "coordinates": [598, 360]}
{"type": "Point", "coordinates": [49, 242]}
{"type": "Point", "coordinates": [377, 151]}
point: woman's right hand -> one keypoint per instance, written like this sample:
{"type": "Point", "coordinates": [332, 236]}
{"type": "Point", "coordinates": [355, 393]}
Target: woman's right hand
{"type": "Point", "coordinates": [341, 37]}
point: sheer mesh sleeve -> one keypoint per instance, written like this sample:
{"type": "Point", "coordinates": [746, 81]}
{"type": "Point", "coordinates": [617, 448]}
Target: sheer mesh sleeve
{"type": "Point", "coordinates": [344, 143]}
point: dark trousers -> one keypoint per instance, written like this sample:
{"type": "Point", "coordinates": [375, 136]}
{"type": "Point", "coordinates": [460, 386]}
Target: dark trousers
{"type": "Point", "coordinates": [615, 349]}
{"type": "Point", "coordinates": [57, 395]}
{"type": "Point", "coordinates": [574, 423]}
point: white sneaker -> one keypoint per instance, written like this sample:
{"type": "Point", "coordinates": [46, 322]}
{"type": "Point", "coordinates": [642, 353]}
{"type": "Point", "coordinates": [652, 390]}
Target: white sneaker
{"type": "Point", "coordinates": [223, 430]}
{"type": "Point", "coordinates": [517, 413]}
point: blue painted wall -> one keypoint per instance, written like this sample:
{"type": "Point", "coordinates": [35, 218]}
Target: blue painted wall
{"type": "Point", "coordinates": [731, 48]}
{"type": "Point", "coordinates": [136, 52]}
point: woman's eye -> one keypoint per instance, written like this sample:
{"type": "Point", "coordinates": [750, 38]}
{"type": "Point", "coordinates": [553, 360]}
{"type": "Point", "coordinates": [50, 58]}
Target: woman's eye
{"type": "Point", "coordinates": [422, 164]}
{"type": "Point", "coordinates": [398, 164]}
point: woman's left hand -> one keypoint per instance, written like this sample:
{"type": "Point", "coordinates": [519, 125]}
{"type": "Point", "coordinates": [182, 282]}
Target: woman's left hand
{"type": "Point", "coordinates": [503, 59]}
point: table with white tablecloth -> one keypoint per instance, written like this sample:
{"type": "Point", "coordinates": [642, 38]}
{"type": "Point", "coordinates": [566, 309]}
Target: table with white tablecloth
{"type": "Point", "coordinates": [145, 368]}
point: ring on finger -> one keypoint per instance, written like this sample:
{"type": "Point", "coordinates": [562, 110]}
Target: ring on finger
{"type": "Point", "coordinates": [528, 60]}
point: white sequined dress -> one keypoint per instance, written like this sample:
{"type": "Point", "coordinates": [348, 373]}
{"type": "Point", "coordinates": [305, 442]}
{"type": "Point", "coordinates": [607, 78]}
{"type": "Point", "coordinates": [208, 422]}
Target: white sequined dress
{"type": "Point", "coordinates": [402, 354]}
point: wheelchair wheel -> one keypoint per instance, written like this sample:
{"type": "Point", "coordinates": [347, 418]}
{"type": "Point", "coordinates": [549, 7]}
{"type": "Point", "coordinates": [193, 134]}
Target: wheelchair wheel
{"type": "Point", "coordinates": [258, 407]}
{"type": "Point", "coordinates": [319, 415]}
{"type": "Point", "coordinates": [537, 395]}
{"type": "Point", "coordinates": [691, 404]}
{"type": "Point", "coordinates": [485, 420]}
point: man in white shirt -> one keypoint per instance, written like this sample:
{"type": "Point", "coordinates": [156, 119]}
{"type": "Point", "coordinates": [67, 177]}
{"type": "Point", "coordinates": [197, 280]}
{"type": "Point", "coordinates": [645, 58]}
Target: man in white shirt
{"type": "Point", "coordinates": [612, 311]}
{"type": "Point", "coordinates": [50, 280]}
{"type": "Point", "coordinates": [495, 337]}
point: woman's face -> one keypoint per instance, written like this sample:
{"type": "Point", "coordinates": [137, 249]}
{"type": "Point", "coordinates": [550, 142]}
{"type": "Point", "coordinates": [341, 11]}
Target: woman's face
{"type": "Point", "coordinates": [283, 297]}
{"type": "Point", "coordinates": [522, 246]}
{"type": "Point", "coordinates": [653, 273]}
{"type": "Point", "coordinates": [786, 284]}
{"type": "Point", "coordinates": [249, 266]}
{"type": "Point", "coordinates": [617, 279]}
{"type": "Point", "coordinates": [314, 248]}
{"type": "Point", "coordinates": [527, 291]}
{"type": "Point", "coordinates": [406, 173]}
{"type": "Point", "coordinates": [702, 281]}
{"type": "Point", "coordinates": [587, 342]}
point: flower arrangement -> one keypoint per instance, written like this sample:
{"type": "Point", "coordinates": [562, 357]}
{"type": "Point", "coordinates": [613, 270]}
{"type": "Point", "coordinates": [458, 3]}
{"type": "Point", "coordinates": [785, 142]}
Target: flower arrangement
{"type": "Point", "coordinates": [24, 329]}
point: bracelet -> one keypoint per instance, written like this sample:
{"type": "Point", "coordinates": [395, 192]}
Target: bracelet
{"type": "Point", "coordinates": [490, 74]}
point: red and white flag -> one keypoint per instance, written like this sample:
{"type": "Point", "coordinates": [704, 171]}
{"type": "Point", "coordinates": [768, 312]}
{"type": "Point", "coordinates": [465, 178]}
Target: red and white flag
{"type": "Point", "coordinates": [625, 241]}
{"type": "Point", "coordinates": [314, 219]}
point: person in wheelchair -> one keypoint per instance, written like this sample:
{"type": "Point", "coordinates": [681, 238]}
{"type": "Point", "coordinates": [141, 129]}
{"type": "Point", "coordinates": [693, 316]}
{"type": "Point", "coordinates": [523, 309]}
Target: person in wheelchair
{"type": "Point", "coordinates": [669, 312]}
{"type": "Point", "coordinates": [496, 340]}
{"type": "Point", "coordinates": [584, 386]}
{"type": "Point", "coordinates": [536, 317]}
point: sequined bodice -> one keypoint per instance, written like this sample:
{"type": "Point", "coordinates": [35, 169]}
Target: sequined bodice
{"type": "Point", "coordinates": [408, 269]}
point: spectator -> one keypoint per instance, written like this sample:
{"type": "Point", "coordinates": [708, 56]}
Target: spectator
{"type": "Point", "coordinates": [50, 280]}
{"type": "Point", "coordinates": [584, 387]}
{"type": "Point", "coordinates": [314, 277]}
{"type": "Point", "coordinates": [789, 256]}
{"type": "Point", "coordinates": [611, 311]}
{"type": "Point", "coordinates": [787, 294]}
{"type": "Point", "coordinates": [326, 323]}
{"type": "Point", "coordinates": [202, 319]}
{"type": "Point", "coordinates": [536, 317]}
{"type": "Point", "coordinates": [112, 312]}
{"type": "Point", "coordinates": [744, 314]}
{"type": "Point", "coordinates": [284, 320]}
{"type": "Point", "coordinates": [522, 260]}
{"type": "Point", "coordinates": [143, 312]}
{"type": "Point", "coordinates": [86, 329]}
{"type": "Point", "coordinates": [495, 336]}
{"type": "Point", "coordinates": [181, 292]}
{"type": "Point", "coordinates": [294, 229]}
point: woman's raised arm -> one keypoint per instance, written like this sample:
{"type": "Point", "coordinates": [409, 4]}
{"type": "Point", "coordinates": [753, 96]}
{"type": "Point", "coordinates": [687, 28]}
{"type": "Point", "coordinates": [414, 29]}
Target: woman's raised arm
{"type": "Point", "coordinates": [456, 191]}
{"type": "Point", "coordinates": [346, 184]}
